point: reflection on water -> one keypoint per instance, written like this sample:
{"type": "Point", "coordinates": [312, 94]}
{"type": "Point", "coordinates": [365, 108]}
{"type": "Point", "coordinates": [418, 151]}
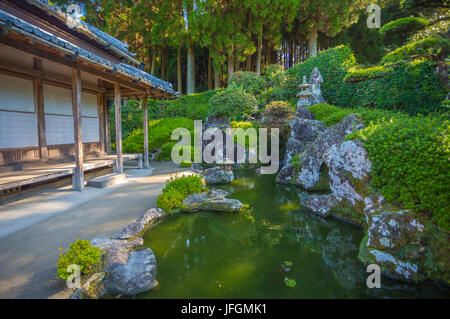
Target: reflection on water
{"type": "Point", "coordinates": [213, 255]}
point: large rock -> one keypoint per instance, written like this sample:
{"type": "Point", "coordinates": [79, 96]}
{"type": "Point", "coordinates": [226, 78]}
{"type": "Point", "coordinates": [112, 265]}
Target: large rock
{"type": "Point", "coordinates": [130, 272]}
{"type": "Point", "coordinates": [396, 232]}
{"type": "Point", "coordinates": [306, 130]}
{"type": "Point", "coordinates": [214, 200]}
{"type": "Point", "coordinates": [109, 244]}
{"type": "Point", "coordinates": [93, 288]}
{"type": "Point", "coordinates": [315, 153]}
{"type": "Point", "coordinates": [293, 147]}
{"type": "Point", "coordinates": [217, 176]}
{"type": "Point", "coordinates": [138, 228]}
{"type": "Point", "coordinates": [303, 113]}
{"type": "Point", "coordinates": [321, 204]}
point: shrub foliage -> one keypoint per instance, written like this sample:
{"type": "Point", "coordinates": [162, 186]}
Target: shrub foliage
{"type": "Point", "coordinates": [410, 162]}
{"type": "Point", "coordinates": [233, 103]}
{"type": "Point", "coordinates": [81, 253]}
{"type": "Point", "coordinates": [176, 189]}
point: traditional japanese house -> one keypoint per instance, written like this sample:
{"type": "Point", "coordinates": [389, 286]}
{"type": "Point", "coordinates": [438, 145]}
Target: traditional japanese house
{"type": "Point", "coordinates": [57, 75]}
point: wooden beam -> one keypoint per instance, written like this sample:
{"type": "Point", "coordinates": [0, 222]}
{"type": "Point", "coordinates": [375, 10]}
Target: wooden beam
{"type": "Point", "coordinates": [78, 176]}
{"type": "Point", "coordinates": [145, 111]}
{"type": "Point", "coordinates": [35, 50]}
{"type": "Point", "coordinates": [46, 76]}
{"type": "Point", "coordinates": [117, 105]}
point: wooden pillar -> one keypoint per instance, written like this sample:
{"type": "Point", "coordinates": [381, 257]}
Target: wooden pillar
{"type": "Point", "coordinates": [107, 125]}
{"type": "Point", "coordinates": [145, 110]}
{"type": "Point", "coordinates": [101, 122]}
{"type": "Point", "coordinates": [38, 93]}
{"type": "Point", "coordinates": [117, 100]}
{"type": "Point", "coordinates": [78, 174]}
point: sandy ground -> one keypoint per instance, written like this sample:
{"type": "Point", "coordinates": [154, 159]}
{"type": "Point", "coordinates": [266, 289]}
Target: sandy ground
{"type": "Point", "coordinates": [33, 229]}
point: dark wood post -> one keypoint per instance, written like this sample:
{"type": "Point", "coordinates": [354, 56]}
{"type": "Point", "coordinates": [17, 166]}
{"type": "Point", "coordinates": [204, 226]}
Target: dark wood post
{"type": "Point", "coordinates": [38, 93]}
{"type": "Point", "coordinates": [117, 100]}
{"type": "Point", "coordinates": [78, 174]}
{"type": "Point", "coordinates": [145, 110]}
{"type": "Point", "coordinates": [101, 122]}
{"type": "Point", "coordinates": [107, 125]}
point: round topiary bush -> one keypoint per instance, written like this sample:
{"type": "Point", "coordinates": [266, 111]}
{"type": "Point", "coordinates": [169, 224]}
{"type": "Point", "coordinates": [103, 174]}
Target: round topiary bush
{"type": "Point", "coordinates": [233, 104]}
{"type": "Point", "coordinates": [248, 81]}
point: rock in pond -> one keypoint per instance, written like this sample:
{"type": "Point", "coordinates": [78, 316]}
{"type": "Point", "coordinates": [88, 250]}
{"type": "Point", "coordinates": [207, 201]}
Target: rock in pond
{"type": "Point", "coordinates": [216, 176]}
{"type": "Point", "coordinates": [137, 228]}
{"type": "Point", "coordinates": [109, 244]}
{"type": "Point", "coordinates": [92, 288]}
{"type": "Point", "coordinates": [130, 272]}
{"type": "Point", "coordinates": [215, 200]}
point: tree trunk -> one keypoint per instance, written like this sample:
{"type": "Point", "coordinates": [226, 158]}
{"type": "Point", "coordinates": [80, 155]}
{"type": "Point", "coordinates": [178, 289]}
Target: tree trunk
{"type": "Point", "coordinates": [216, 79]}
{"type": "Point", "coordinates": [163, 64]}
{"type": "Point", "coordinates": [230, 66]}
{"type": "Point", "coordinates": [179, 77]}
{"type": "Point", "coordinates": [150, 59]}
{"type": "Point", "coordinates": [210, 74]}
{"type": "Point", "coordinates": [249, 63]}
{"type": "Point", "coordinates": [312, 43]}
{"type": "Point", "coordinates": [259, 51]}
{"type": "Point", "coordinates": [190, 83]}
{"type": "Point", "coordinates": [152, 71]}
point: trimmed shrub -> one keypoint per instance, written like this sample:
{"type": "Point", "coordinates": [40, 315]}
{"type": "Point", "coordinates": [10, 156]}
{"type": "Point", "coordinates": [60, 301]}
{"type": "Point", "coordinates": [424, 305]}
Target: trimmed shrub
{"type": "Point", "coordinates": [428, 47]}
{"type": "Point", "coordinates": [249, 81]}
{"type": "Point", "coordinates": [410, 163]}
{"type": "Point", "coordinates": [278, 109]}
{"type": "Point", "coordinates": [412, 87]}
{"type": "Point", "coordinates": [331, 114]}
{"type": "Point", "coordinates": [169, 202]}
{"type": "Point", "coordinates": [357, 75]}
{"type": "Point", "coordinates": [185, 185]}
{"type": "Point", "coordinates": [176, 189]}
{"type": "Point", "coordinates": [166, 152]}
{"type": "Point", "coordinates": [395, 33]}
{"type": "Point", "coordinates": [81, 253]}
{"type": "Point", "coordinates": [159, 133]}
{"type": "Point", "coordinates": [233, 103]}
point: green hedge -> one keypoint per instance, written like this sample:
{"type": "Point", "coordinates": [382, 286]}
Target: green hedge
{"type": "Point", "coordinates": [333, 64]}
{"type": "Point", "coordinates": [411, 87]}
{"type": "Point", "coordinates": [410, 162]}
{"type": "Point", "coordinates": [395, 33]}
{"type": "Point", "coordinates": [331, 114]}
{"type": "Point", "coordinates": [430, 47]}
{"type": "Point", "coordinates": [356, 75]}
{"type": "Point", "coordinates": [233, 103]}
{"type": "Point", "coordinates": [160, 132]}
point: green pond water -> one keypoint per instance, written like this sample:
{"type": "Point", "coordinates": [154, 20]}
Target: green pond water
{"type": "Point", "coordinates": [219, 255]}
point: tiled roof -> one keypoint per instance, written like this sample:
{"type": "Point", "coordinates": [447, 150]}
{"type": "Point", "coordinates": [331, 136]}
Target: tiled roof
{"type": "Point", "coordinates": [9, 22]}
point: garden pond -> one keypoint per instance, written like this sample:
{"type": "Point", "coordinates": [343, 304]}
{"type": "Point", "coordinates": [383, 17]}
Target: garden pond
{"type": "Point", "coordinates": [277, 250]}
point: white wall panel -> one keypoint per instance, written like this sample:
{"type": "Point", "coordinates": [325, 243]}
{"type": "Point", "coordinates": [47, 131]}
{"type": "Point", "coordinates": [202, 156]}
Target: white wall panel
{"type": "Point", "coordinates": [59, 129]}
{"type": "Point", "coordinates": [16, 94]}
{"type": "Point", "coordinates": [18, 130]}
{"type": "Point", "coordinates": [90, 130]}
{"type": "Point", "coordinates": [57, 100]}
{"type": "Point", "coordinates": [88, 104]}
